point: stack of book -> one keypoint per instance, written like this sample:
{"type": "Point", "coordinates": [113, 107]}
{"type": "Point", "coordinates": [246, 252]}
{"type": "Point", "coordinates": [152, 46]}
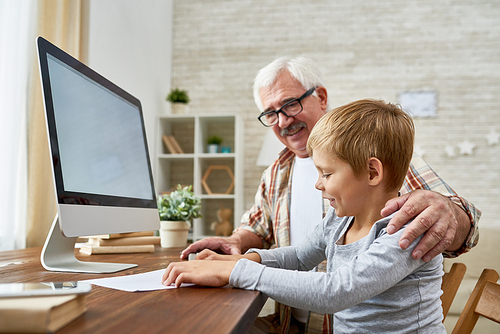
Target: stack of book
{"type": "Point", "coordinates": [39, 314]}
{"type": "Point", "coordinates": [172, 144]}
{"type": "Point", "coordinates": [135, 242]}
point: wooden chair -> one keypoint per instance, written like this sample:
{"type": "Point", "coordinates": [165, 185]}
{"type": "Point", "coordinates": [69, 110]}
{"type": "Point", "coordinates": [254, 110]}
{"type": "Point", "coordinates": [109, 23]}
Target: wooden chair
{"type": "Point", "coordinates": [451, 283]}
{"type": "Point", "coordinates": [484, 301]}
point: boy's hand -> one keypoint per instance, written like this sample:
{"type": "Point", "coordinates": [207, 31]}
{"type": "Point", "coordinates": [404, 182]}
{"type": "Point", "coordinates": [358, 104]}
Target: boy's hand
{"type": "Point", "coordinates": [208, 273]}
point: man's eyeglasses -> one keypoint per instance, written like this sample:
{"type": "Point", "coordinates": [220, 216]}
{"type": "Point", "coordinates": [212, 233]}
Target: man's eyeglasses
{"type": "Point", "coordinates": [289, 109]}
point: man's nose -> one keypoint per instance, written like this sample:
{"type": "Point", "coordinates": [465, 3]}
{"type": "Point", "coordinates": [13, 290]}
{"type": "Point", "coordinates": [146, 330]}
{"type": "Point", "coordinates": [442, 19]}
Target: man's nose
{"type": "Point", "coordinates": [284, 121]}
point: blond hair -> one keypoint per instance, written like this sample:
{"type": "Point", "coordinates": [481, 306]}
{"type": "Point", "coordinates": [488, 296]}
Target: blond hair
{"type": "Point", "coordinates": [363, 129]}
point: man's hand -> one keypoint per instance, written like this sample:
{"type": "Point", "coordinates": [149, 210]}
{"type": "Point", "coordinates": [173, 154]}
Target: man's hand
{"type": "Point", "coordinates": [435, 214]}
{"type": "Point", "coordinates": [208, 273]}
{"type": "Point", "coordinates": [239, 242]}
{"type": "Point", "coordinates": [218, 244]}
{"type": "Point", "coordinates": [207, 254]}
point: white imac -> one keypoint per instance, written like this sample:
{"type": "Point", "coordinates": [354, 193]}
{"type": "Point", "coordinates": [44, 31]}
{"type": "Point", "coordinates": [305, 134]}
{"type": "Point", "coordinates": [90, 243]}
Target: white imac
{"type": "Point", "coordinates": [100, 160]}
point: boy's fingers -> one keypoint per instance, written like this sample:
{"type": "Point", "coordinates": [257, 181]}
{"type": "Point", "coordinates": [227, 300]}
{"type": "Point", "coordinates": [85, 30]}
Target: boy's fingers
{"type": "Point", "coordinates": [166, 274]}
{"type": "Point", "coordinates": [180, 279]}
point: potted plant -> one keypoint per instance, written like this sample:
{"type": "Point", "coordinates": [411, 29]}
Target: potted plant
{"type": "Point", "coordinates": [213, 143]}
{"type": "Point", "coordinates": [179, 100]}
{"type": "Point", "coordinates": [176, 210]}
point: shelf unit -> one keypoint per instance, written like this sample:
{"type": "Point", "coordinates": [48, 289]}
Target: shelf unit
{"type": "Point", "coordinates": [190, 167]}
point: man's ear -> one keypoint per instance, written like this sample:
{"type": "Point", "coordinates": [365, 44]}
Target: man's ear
{"type": "Point", "coordinates": [376, 171]}
{"type": "Point", "coordinates": [323, 97]}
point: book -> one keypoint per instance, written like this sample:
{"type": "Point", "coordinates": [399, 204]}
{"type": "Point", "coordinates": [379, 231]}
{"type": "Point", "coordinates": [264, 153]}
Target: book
{"type": "Point", "coordinates": [124, 241]}
{"type": "Point", "coordinates": [89, 249]}
{"type": "Point", "coordinates": [39, 314]}
{"type": "Point", "coordinates": [176, 144]}
{"type": "Point", "coordinates": [122, 235]}
{"type": "Point", "coordinates": [170, 146]}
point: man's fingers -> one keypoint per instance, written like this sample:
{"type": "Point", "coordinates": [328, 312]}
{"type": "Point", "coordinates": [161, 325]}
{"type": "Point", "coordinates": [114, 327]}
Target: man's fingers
{"type": "Point", "coordinates": [208, 243]}
{"type": "Point", "coordinates": [422, 223]}
{"type": "Point", "coordinates": [407, 210]}
{"type": "Point", "coordinates": [403, 216]}
{"type": "Point", "coordinates": [430, 239]}
{"type": "Point", "coordinates": [440, 247]}
{"type": "Point", "coordinates": [233, 251]}
{"type": "Point", "coordinates": [393, 205]}
{"type": "Point", "coordinates": [193, 248]}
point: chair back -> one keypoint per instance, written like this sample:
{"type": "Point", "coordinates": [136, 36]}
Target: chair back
{"type": "Point", "coordinates": [483, 301]}
{"type": "Point", "coordinates": [451, 283]}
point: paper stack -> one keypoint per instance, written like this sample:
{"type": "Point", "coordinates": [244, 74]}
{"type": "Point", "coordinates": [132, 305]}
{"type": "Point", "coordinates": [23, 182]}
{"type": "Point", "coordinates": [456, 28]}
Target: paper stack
{"type": "Point", "coordinates": [136, 242]}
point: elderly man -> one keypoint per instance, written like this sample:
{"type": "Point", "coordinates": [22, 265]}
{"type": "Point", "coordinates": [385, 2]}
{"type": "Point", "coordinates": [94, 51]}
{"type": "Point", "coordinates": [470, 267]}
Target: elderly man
{"type": "Point", "coordinates": [291, 96]}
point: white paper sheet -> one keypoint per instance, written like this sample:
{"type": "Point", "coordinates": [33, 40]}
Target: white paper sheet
{"type": "Point", "coordinates": [139, 282]}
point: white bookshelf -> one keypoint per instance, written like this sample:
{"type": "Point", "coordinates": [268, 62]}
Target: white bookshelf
{"type": "Point", "coordinates": [188, 168]}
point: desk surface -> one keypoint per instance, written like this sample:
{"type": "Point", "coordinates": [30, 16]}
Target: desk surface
{"type": "Point", "coordinates": [186, 310]}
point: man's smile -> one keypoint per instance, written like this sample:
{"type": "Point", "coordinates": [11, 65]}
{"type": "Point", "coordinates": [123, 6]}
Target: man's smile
{"type": "Point", "coordinates": [293, 129]}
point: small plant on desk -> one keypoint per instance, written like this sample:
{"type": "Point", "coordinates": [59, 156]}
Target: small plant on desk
{"type": "Point", "coordinates": [177, 209]}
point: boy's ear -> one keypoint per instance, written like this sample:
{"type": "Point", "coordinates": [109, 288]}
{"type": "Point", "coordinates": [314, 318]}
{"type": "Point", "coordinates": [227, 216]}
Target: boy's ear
{"type": "Point", "coordinates": [376, 171]}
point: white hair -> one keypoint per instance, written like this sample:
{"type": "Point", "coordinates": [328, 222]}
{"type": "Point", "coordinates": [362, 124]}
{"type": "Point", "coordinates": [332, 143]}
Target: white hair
{"type": "Point", "coordinates": [302, 69]}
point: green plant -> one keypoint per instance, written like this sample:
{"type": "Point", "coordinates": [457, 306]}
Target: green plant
{"type": "Point", "coordinates": [177, 95]}
{"type": "Point", "coordinates": [179, 205]}
{"type": "Point", "coordinates": [214, 140]}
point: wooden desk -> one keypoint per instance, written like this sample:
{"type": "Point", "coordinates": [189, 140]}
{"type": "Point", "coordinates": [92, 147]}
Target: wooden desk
{"type": "Point", "coordinates": [185, 310]}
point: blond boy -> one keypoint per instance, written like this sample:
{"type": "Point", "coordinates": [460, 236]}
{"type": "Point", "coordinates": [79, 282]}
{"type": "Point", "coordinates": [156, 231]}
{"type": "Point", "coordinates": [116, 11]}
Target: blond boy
{"type": "Point", "coordinates": [362, 151]}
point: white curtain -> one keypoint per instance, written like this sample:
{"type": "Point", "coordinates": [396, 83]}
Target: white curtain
{"type": "Point", "coordinates": [17, 47]}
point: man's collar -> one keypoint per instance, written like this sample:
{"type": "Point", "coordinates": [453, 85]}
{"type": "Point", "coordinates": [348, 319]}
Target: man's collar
{"type": "Point", "coordinates": [285, 157]}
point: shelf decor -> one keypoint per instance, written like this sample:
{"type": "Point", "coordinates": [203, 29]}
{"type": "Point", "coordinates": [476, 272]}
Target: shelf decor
{"type": "Point", "coordinates": [222, 186]}
{"type": "Point", "coordinates": [172, 144]}
{"type": "Point", "coordinates": [207, 174]}
{"type": "Point", "coordinates": [179, 100]}
{"type": "Point", "coordinates": [176, 211]}
{"type": "Point", "coordinates": [213, 144]}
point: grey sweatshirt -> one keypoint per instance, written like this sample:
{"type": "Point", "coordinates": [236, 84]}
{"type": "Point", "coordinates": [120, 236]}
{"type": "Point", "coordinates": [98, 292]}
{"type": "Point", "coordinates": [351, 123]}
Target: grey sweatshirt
{"type": "Point", "coordinates": [371, 285]}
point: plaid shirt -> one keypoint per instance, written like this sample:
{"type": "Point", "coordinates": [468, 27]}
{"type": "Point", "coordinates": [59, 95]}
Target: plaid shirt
{"type": "Point", "coordinates": [269, 218]}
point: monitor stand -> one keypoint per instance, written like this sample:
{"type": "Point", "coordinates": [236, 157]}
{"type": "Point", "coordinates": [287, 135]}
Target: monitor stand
{"type": "Point", "coordinates": [58, 254]}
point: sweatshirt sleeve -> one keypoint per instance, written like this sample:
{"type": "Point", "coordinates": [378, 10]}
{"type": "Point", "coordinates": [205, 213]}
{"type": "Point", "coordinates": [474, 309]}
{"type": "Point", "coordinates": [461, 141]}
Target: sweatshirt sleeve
{"type": "Point", "coordinates": [382, 266]}
{"type": "Point", "coordinates": [302, 257]}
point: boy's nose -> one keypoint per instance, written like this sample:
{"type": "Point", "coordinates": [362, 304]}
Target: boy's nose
{"type": "Point", "coordinates": [319, 184]}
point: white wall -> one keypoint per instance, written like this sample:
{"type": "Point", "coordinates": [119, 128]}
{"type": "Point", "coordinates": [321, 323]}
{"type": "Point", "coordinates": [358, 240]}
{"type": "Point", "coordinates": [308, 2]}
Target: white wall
{"type": "Point", "coordinates": [214, 49]}
{"type": "Point", "coordinates": [130, 44]}
{"type": "Point", "coordinates": [365, 49]}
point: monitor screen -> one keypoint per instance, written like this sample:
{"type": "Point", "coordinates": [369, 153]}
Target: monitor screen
{"type": "Point", "coordinates": [100, 158]}
{"type": "Point", "coordinates": [100, 137]}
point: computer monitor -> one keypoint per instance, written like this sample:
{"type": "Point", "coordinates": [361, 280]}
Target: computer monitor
{"type": "Point", "coordinates": [100, 161]}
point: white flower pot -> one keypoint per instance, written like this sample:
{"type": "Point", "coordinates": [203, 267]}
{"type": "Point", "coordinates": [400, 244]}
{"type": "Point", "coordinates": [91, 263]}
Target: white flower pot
{"type": "Point", "coordinates": [173, 233]}
{"type": "Point", "coordinates": [179, 108]}
{"type": "Point", "coordinates": [213, 148]}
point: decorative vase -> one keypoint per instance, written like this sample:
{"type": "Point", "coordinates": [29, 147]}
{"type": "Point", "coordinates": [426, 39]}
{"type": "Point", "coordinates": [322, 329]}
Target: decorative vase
{"type": "Point", "coordinates": [173, 233]}
{"type": "Point", "coordinates": [213, 148]}
{"type": "Point", "coordinates": [179, 108]}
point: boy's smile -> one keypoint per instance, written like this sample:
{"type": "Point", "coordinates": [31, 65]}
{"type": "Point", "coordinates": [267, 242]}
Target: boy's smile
{"type": "Point", "coordinates": [339, 184]}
